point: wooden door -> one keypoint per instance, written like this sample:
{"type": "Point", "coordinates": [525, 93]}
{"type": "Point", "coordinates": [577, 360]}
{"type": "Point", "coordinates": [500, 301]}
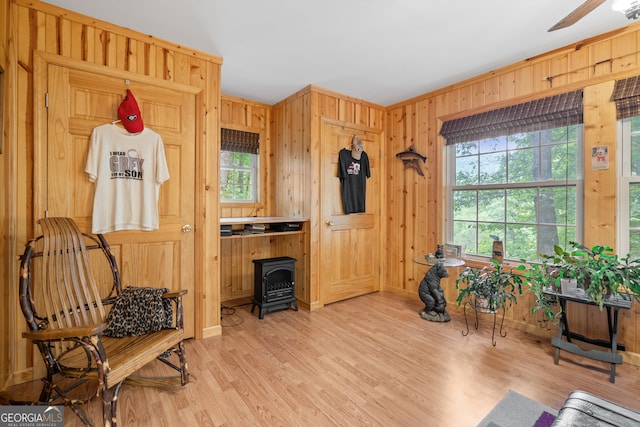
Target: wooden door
{"type": "Point", "coordinates": [81, 99]}
{"type": "Point", "coordinates": [350, 245]}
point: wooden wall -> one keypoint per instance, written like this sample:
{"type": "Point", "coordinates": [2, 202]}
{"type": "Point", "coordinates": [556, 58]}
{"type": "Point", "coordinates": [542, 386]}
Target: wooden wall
{"type": "Point", "coordinates": [250, 116]}
{"type": "Point", "coordinates": [8, 267]}
{"type": "Point", "coordinates": [416, 204]}
{"type": "Point", "coordinates": [236, 254]}
{"type": "Point", "coordinates": [35, 26]}
{"type": "Point", "coordinates": [297, 160]}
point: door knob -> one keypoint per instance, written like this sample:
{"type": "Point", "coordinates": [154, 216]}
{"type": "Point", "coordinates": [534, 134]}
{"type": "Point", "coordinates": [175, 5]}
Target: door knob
{"type": "Point", "coordinates": [187, 228]}
{"type": "Point", "coordinates": [329, 223]}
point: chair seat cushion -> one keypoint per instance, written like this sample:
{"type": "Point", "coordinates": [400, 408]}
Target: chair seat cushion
{"type": "Point", "coordinates": [138, 311]}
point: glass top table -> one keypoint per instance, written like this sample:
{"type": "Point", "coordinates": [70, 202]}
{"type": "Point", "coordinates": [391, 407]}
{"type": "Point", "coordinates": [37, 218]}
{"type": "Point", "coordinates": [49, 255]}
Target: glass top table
{"type": "Point", "coordinates": [430, 291]}
{"type": "Point", "coordinates": [447, 262]}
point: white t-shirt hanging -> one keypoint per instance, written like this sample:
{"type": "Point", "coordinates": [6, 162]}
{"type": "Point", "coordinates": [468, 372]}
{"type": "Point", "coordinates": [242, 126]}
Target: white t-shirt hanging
{"type": "Point", "coordinates": [128, 170]}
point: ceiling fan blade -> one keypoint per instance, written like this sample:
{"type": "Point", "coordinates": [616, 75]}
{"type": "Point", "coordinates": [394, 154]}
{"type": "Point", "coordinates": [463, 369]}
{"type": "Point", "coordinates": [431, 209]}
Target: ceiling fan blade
{"type": "Point", "coordinates": [579, 13]}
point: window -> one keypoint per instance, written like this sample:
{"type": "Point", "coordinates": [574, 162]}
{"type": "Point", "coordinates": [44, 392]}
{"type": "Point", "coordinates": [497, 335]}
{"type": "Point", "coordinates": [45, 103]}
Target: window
{"type": "Point", "coordinates": [239, 166]}
{"type": "Point", "coordinates": [238, 172]}
{"type": "Point", "coordinates": [626, 94]}
{"type": "Point", "coordinates": [515, 175]}
{"type": "Point", "coordinates": [629, 219]}
{"type": "Point", "coordinates": [522, 189]}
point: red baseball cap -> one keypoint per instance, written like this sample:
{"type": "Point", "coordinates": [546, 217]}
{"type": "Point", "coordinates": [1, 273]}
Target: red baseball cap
{"type": "Point", "coordinates": [129, 114]}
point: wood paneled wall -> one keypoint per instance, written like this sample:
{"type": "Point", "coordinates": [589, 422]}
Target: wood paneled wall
{"type": "Point", "coordinates": [34, 26]}
{"type": "Point", "coordinates": [416, 204]}
{"type": "Point", "coordinates": [250, 116]}
{"type": "Point", "coordinates": [297, 160]}
{"type": "Point", "coordinates": [236, 255]}
{"type": "Point", "coordinates": [8, 267]}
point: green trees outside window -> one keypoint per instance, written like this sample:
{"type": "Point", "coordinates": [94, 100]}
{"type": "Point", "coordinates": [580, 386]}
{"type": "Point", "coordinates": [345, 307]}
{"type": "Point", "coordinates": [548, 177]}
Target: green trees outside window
{"type": "Point", "coordinates": [630, 188]}
{"type": "Point", "coordinates": [524, 189]}
{"type": "Point", "coordinates": [238, 176]}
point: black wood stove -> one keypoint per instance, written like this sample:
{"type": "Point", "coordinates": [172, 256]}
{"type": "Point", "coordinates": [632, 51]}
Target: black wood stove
{"type": "Point", "coordinates": [274, 284]}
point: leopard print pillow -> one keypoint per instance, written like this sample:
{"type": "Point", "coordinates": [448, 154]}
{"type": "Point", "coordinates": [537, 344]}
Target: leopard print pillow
{"type": "Point", "coordinates": [138, 311]}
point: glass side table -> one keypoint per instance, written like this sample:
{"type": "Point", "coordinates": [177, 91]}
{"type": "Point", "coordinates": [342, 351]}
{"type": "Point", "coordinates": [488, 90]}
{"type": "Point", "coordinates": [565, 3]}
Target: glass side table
{"type": "Point", "coordinates": [430, 291]}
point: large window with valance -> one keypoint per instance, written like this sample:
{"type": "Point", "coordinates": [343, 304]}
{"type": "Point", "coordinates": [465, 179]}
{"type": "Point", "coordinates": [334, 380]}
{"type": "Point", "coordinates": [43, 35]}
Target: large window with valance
{"type": "Point", "coordinates": [515, 174]}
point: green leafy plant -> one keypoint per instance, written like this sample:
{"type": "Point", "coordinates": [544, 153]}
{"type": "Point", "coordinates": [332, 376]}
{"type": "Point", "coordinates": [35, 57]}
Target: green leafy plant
{"type": "Point", "coordinates": [495, 283]}
{"type": "Point", "coordinates": [599, 272]}
{"type": "Point", "coordinates": [544, 277]}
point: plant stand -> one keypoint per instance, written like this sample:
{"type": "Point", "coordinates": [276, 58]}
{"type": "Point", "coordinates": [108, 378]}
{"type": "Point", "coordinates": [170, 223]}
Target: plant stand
{"type": "Point", "coordinates": [480, 306]}
{"type": "Point", "coordinates": [612, 305]}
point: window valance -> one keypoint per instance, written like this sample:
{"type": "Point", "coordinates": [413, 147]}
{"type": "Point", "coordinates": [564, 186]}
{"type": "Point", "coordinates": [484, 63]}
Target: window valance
{"type": "Point", "coordinates": [546, 113]}
{"type": "Point", "coordinates": [239, 141]}
{"type": "Point", "coordinates": [626, 95]}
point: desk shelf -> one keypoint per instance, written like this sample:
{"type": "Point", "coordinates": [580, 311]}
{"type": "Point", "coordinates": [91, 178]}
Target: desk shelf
{"type": "Point", "coordinates": [266, 233]}
{"type": "Point", "coordinates": [238, 251]}
{"type": "Point", "coordinates": [270, 222]}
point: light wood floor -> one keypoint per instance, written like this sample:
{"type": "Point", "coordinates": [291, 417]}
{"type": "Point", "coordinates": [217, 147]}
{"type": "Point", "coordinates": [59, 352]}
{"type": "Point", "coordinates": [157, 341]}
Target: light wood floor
{"type": "Point", "coordinates": [366, 361]}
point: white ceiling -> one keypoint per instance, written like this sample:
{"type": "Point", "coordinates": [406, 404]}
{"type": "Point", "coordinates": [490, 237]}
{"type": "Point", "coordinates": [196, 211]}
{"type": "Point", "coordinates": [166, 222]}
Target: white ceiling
{"type": "Point", "coordinates": [381, 51]}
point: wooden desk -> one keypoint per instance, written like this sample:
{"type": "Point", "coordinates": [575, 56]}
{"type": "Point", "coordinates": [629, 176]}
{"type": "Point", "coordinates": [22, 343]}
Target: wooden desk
{"type": "Point", "coordinates": [270, 223]}
{"type": "Point", "coordinates": [612, 305]}
{"type": "Point", "coordinates": [240, 245]}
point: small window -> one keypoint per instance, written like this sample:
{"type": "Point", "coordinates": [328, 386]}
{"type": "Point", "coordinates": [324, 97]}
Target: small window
{"type": "Point", "coordinates": [239, 166]}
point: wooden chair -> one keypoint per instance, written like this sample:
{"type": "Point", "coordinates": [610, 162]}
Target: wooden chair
{"type": "Point", "coordinates": [68, 280]}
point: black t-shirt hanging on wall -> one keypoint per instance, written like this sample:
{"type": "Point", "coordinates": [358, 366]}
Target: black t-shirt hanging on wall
{"type": "Point", "coordinates": [353, 176]}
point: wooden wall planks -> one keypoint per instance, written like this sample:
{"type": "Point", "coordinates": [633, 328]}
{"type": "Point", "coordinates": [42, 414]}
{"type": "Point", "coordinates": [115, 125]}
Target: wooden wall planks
{"type": "Point", "coordinates": [236, 255]}
{"type": "Point", "coordinates": [8, 266]}
{"type": "Point", "coordinates": [35, 26]}
{"type": "Point", "coordinates": [297, 159]}
{"type": "Point", "coordinates": [242, 114]}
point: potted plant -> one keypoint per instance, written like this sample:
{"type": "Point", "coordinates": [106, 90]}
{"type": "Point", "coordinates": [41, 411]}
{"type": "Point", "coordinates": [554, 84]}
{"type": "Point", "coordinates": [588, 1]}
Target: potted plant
{"type": "Point", "coordinates": [599, 273]}
{"type": "Point", "coordinates": [542, 278]}
{"type": "Point", "coordinates": [489, 288]}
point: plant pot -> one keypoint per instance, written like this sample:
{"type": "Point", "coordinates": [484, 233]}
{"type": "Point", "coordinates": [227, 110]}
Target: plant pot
{"type": "Point", "coordinates": [481, 305]}
{"type": "Point", "coordinates": [569, 286]}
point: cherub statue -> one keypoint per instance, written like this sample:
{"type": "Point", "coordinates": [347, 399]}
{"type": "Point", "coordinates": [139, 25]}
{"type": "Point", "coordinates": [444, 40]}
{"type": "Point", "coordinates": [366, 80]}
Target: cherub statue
{"type": "Point", "coordinates": [432, 294]}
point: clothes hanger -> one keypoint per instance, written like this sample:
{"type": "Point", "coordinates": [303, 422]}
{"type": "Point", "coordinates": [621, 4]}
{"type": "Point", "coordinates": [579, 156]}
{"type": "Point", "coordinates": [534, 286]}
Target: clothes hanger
{"type": "Point", "coordinates": [350, 146]}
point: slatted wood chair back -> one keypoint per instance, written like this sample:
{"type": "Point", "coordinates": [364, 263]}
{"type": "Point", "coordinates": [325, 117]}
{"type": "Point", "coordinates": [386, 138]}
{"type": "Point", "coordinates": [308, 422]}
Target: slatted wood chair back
{"type": "Point", "coordinates": [60, 289]}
